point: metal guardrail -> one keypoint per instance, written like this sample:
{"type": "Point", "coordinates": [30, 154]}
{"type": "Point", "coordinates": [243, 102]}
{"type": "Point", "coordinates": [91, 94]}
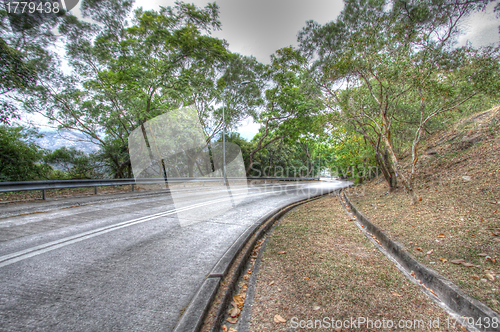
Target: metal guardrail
{"type": "Point", "coordinates": [81, 183]}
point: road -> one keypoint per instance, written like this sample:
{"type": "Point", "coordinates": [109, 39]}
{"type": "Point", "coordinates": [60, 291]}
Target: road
{"type": "Point", "coordinates": [127, 265]}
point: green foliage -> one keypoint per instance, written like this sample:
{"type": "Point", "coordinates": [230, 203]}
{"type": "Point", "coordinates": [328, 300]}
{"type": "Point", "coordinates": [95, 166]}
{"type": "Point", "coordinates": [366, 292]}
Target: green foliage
{"type": "Point", "coordinates": [74, 164]}
{"type": "Point", "coordinates": [125, 74]}
{"type": "Point", "coordinates": [20, 158]}
{"type": "Point", "coordinates": [388, 69]}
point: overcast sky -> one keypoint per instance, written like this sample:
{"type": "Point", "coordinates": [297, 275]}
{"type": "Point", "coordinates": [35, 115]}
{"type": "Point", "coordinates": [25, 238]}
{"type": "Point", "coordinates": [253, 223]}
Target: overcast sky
{"type": "Point", "coordinates": [260, 27]}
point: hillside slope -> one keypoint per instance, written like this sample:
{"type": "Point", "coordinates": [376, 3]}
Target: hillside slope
{"type": "Point", "coordinates": [458, 216]}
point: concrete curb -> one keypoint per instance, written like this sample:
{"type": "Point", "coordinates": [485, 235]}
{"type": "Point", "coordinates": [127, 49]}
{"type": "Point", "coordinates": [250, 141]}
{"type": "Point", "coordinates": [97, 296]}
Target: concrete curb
{"type": "Point", "coordinates": [445, 290]}
{"type": "Point", "coordinates": [246, 313]}
{"type": "Point", "coordinates": [192, 318]}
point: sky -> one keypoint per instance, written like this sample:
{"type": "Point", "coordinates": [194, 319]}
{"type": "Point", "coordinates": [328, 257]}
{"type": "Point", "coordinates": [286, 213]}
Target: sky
{"type": "Point", "coordinates": [260, 27]}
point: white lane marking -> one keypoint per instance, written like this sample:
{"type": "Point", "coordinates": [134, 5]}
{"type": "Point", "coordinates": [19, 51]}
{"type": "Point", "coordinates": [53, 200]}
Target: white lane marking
{"type": "Point", "coordinates": [40, 249]}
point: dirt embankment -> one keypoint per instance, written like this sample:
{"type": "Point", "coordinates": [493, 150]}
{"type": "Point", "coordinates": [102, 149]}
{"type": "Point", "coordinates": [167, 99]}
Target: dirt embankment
{"type": "Point", "coordinates": [455, 228]}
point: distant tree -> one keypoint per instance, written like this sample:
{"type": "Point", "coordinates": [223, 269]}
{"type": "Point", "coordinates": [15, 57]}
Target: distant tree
{"type": "Point", "coordinates": [75, 164]}
{"type": "Point", "coordinates": [20, 158]}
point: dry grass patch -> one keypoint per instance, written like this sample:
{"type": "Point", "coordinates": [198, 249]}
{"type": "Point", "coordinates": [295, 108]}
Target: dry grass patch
{"type": "Point", "coordinates": [318, 264]}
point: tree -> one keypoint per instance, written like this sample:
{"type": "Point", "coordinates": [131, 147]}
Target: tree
{"type": "Point", "coordinates": [126, 74]}
{"type": "Point", "coordinates": [75, 164]}
{"type": "Point", "coordinates": [291, 102]}
{"type": "Point", "coordinates": [20, 158]}
{"type": "Point", "coordinates": [25, 59]}
{"type": "Point", "coordinates": [391, 64]}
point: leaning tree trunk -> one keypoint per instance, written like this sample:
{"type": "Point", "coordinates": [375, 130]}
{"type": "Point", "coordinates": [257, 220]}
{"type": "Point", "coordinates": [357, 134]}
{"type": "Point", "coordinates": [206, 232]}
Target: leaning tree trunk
{"type": "Point", "coordinates": [387, 171]}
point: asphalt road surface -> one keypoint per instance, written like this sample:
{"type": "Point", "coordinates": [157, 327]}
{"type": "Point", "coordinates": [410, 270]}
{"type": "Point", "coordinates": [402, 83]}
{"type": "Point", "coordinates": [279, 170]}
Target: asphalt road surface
{"type": "Point", "coordinates": [127, 265]}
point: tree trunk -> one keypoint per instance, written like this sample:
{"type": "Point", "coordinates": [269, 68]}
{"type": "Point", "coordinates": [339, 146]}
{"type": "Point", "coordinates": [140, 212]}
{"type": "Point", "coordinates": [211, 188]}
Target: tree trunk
{"type": "Point", "coordinates": [387, 171]}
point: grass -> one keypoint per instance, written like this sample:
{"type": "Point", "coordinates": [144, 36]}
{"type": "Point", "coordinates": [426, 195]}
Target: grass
{"type": "Point", "coordinates": [331, 270]}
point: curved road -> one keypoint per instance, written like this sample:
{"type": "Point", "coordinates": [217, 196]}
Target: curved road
{"type": "Point", "coordinates": [127, 265]}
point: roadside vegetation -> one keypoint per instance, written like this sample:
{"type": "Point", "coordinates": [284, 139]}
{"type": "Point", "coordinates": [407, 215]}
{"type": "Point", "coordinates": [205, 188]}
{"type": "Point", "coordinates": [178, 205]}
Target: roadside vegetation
{"type": "Point", "coordinates": [359, 91]}
{"type": "Point", "coordinates": [455, 228]}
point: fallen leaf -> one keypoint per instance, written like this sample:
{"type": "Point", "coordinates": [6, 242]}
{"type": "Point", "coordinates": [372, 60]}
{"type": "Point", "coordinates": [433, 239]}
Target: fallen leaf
{"type": "Point", "coordinates": [316, 308]}
{"type": "Point", "coordinates": [234, 304]}
{"type": "Point", "coordinates": [458, 261]}
{"type": "Point", "coordinates": [271, 283]}
{"type": "Point", "coordinates": [246, 277]}
{"type": "Point", "coordinates": [307, 278]}
{"type": "Point", "coordinates": [338, 329]}
{"type": "Point", "coordinates": [489, 277]}
{"type": "Point", "coordinates": [234, 312]}
{"type": "Point", "coordinates": [232, 330]}
{"type": "Point", "coordinates": [442, 259]}
{"type": "Point", "coordinates": [496, 232]}
{"type": "Point", "coordinates": [482, 255]}
{"type": "Point", "coordinates": [278, 319]}
{"type": "Point", "coordinates": [430, 251]}
{"type": "Point", "coordinates": [420, 199]}
{"type": "Point", "coordinates": [281, 252]}
{"type": "Point", "coordinates": [468, 264]}
{"type": "Point", "coordinates": [232, 320]}
{"type": "Point", "coordinates": [224, 328]}
{"type": "Point", "coordinates": [493, 260]}
{"type": "Point", "coordinates": [441, 235]}
{"type": "Point", "coordinates": [396, 294]}
{"type": "Point", "coordinates": [475, 277]}
{"type": "Point", "coordinates": [239, 300]}
{"type": "Point", "coordinates": [419, 249]}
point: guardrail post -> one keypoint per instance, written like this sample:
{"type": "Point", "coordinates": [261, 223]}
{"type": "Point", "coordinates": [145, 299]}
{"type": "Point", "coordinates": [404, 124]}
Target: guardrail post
{"type": "Point", "coordinates": [43, 194]}
{"type": "Point", "coordinates": [133, 187]}
{"type": "Point", "coordinates": [95, 190]}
